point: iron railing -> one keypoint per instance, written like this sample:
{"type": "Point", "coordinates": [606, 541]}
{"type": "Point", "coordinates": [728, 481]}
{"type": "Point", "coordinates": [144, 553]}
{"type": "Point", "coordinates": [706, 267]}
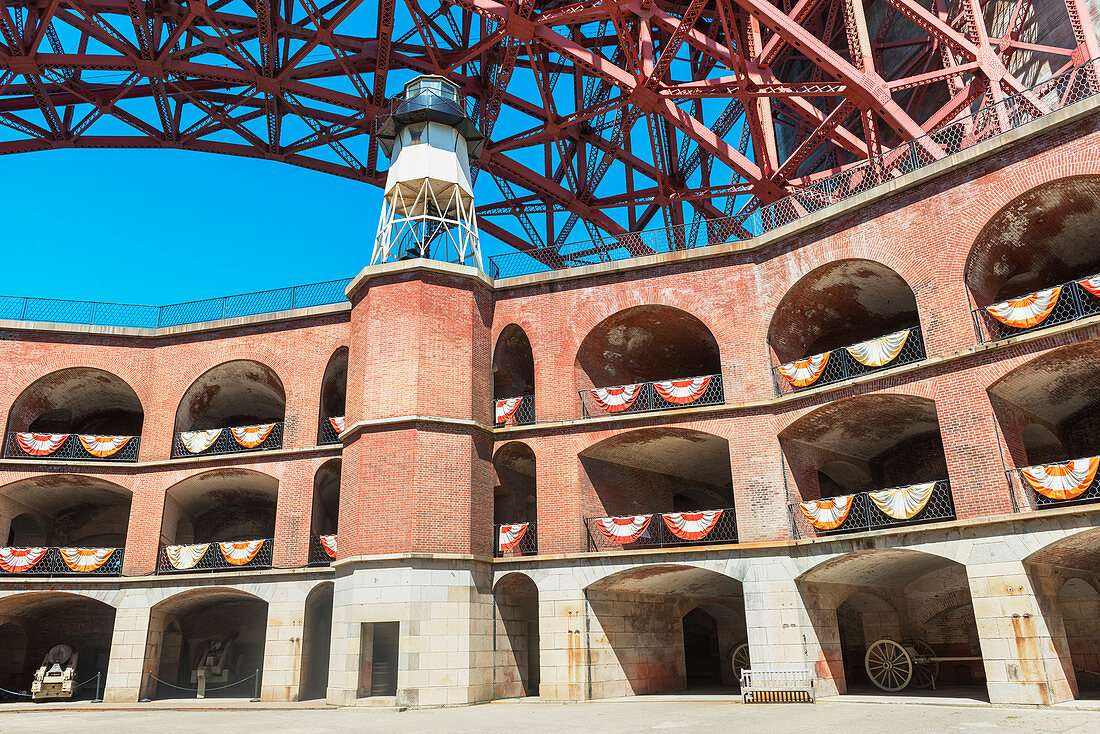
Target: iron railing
{"type": "Point", "coordinates": [528, 545]}
{"type": "Point", "coordinates": [318, 556]}
{"type": "Point", "coordinates": [607, 400]}
{"type": "Point", "coordinates": [225, 443]}
{"type": "Point", "coordinates": [1025, 498]}
{"type": "Point", "coordinates": [864, 515]}
{"type": "Point", "coordinates": [73, 449]}
{"type": "Point", "coordinates": [53, 564]}
{"type": "Point", "coordinates": [523, 414]}
{"type": "Point", "coordinates": [841, 365]}
{"type": "Point", "coordinates": [327, 434]}
{"type": "Point", "coordinates": [1074, 302]}
{"type": "Point", "coordinates": [18, 308]}
{"type": "Point", "coordinates": [1061, 90]}
{"type": "Point", "coordinates": [214, 560]}
{"type": "Point", "coordinates": [659, 535]}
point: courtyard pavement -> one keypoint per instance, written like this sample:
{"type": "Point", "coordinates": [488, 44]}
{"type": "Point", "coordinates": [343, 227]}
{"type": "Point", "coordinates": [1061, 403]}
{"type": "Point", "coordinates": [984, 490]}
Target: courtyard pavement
{"type": "Point", "coordinates": [665, 716]}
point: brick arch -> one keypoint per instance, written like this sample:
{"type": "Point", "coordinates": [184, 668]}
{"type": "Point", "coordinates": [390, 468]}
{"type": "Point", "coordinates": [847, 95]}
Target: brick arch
{"type": "Point", "coordinates": [282, 385]}
{"type": "Point", "coordinates": [514, 387]}
{"type": "Point", "coordinates": [926, 390]}
{"type": "Point", "coordinates": [20, 378]}
{"type": "Point", "coordinates": [124, 377]}
{"type": "Point", "coordinates": [20, 599]}
{"type": "Point", "coordinates": [690, 577]}
{"type": "Point", "coordinates": [161, 598]}
{"type": "Point", "coordinates": [931, 606]}
{"type": "Point", "coordinates": [514, 577]}
{"type": "Point", "coordinates": [875, 566]}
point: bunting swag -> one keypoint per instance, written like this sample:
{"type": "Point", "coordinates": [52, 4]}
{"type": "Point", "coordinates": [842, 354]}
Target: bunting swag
{"type": "Point", "coordinates": [623, 529]}
{"type": "Point", "coordinates": [103, 446]}
{"type": "Point", "coordinates": [252, 436]}
{"type": "Point", "coordinates": [803, 372]}
{"type": "Point", "coordinates": [238, 554]}
{"type": "Point", "coordinates": [1028, 311]}
{"type": "Point", "coordinates": [1092, 285]}
{"type": "Point", "coordinates": [616, 399]}
{"type": "Point", "coordinates": [903, 503]}
{"type": "Point", "coordinates": [506, 408]}
{"type": "Point", "coordinates": [86, 560]}
{"type": "Point", "coordinates": [682, 392]}
{"type": "Point", "coordinates": [183, 557]}
{"type": "Point", "coordinates": [328, 542]}
{"type": "Point", "coordinates": [18, 560]}
{"type": "Point", "coordinates": [827, 514]}
{"type": "Point", "coordinates": [877, 352]}
{"type": "Point", "coordinates": [337, 424]}
{"type": "Point", "coordinates": [692, 525]}
{"type": "Point", "coordinates": [40, 444]}
{"type": "Point", "coordinates": [1064, 481]}
{"type": "Point", "coordinates": [511, 535]}
{"type": "Point", "coordinates": [198, 441]}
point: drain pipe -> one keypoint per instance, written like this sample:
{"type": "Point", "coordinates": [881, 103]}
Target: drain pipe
{"type": "Point", "coordinates": [587, 647]}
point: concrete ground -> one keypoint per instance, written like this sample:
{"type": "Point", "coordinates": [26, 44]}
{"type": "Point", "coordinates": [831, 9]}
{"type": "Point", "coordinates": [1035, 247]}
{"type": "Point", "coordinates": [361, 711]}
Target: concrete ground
{"type": "Point", "coordinates": [665, 716]}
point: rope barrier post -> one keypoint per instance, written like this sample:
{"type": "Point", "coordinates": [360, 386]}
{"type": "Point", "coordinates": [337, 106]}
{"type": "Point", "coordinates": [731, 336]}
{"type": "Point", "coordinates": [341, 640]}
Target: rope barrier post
{"type": "Point", "coordinates": [98, 698]}
{"type": "Point", "coordinates": [256, 699]}
{"type": "Point", "coordinates": [146, 699]}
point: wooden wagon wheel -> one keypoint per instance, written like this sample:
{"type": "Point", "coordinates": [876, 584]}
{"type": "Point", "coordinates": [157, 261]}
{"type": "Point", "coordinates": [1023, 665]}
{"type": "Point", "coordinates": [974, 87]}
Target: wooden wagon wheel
{"type": "Point", "coordinates": [739, 658]}
{"type": "Point", "coordinates": [888, 665]}
{"type": "Point", "coordinates": [925, 673]}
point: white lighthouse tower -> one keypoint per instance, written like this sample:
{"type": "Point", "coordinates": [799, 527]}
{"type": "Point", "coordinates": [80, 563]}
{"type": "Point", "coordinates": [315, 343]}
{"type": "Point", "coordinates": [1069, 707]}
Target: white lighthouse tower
{"type": "Point", "coordinates": [428, 206]}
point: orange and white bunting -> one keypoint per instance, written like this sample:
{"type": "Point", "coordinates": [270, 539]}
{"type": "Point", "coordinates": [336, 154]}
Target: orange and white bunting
{"type": "Point", "coordinates": [506, 408]}
{"type": "Point", "coordinates": [877, 352]}
{"type": "Point", "coordinates": [240, 553]}
{"type": "Point", "coordinates": [328, 542]}
{"type": "Point", "coordinates": [682, 392]}
{"type": "Point", "coordinates": [337, 424]}
{"type": "Point", "coordinates": [1064, 481]}
{"type": "Point", "coordinates": [827, 514]}
{"type": "Point", "coordinates": [86, 560]}
{"type": "Point", "coordinates": [183, 557]}
{"type": "Point", "coordinates": [252, 436]}
{"type": "Point", "coordinates": [198, 441]}
{"type": "Point", "coordinates": [803, 372]}
{"type": "Point", "coordinates": [510, 536]}
{"type": "Point", "coordinates": [103, 446]}
{"type": "Point", "coordinates": [1092, 285]}
{"type": "Point", "coordinates": [692, 525]}
{"type": "Point", "coordinates": [1031, 310]}
{"type": "Point", "coordinates": [18, 560]}
{"type": "Point", "coordinates": [903, 503]}
{"type": "Point", "coordinates": [40, 444]}
{"type": "Point", "coordinates": [616, 399]}
{"type": "Point", "coordinates": [623, 529]}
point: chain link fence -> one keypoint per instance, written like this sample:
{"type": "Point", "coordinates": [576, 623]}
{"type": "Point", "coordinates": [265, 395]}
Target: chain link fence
{"type": "Point", "coordinates": [841, 365]}
{"type": "Point", "coordinates": [1074, 302]}
{"type": "Point", "coordinates": [1025, 498]}
{"type": "Point", "coordinates": [214, 560]}
{"type": "Point", "coordinates": [226, 443]}
{"type": "Point", "coordinates": [508, 414]}
{"type": "Point", "coordinates": [53, 564]}
{"type": "Point", "coordinates": [658, 534]}
{"type": "Point", "coordinates": [528, 544]}
{"type": "Point", "coordinates": [649, 396]}
{"type": "Point", "coordinates": [865, 515]}
{"type": "Point", "coordinates": [72, 448]}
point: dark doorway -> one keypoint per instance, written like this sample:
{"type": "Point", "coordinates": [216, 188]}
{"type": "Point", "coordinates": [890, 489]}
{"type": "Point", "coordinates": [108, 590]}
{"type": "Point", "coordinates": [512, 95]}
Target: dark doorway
{"type": "Point", "coordinates": [315, 643]}
{"type": "Point", "coordinates": [384, 659]}
{"type": "Point", "coordinates": [702, 658]}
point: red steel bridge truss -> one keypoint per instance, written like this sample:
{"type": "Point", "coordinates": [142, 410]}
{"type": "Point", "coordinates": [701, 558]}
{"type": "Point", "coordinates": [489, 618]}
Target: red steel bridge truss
{"type": "Point", "coordinates": [618, 115]}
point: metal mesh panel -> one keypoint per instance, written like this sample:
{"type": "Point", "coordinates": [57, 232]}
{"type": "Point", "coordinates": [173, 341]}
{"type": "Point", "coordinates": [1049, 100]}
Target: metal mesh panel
{"type": "Point", "coordinates": [658, 534]}
{"type": "Point", "coordinates": [650, 399]}
{"type": "Point", "coordinates": [226, 444]}
{"type": "Point", "coordinates": [843, 366]}
{"type": "Point", "coordinates": [318, 556]}
{"type": "Point", "coordinates": [527, 546]}
{"type": "Point", "coordinates": [214, 560]}
{"type": "Point", "coordinates": [524, 414]}
{"type": "Point", "coordinates": [72, 449]}
{"type": "Point", "coordinates": [53, 564]}
{"type": "Point", "coordinates": [1024, 498]}
{"type": "Point", "coordinates": [864, 515]}
{"type": "Point", "coordinates": [1074, 303]}
{"type": "Point", "coordinates": [326, 434]}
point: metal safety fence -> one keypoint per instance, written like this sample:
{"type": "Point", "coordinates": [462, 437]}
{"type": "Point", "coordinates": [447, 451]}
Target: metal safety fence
{"type": "Point", "coordinates": [641, 397]}
{"type": "Point", "coordinates": [841, 365]}
{"type": "Point", "coordinates": [1061, 90]}
{"type": "Point", "coordinates": [327, 432]}
{"type": "Point", "coordinates": [151, 692]}
{"type": "Point", "coordinates": [510, 413]}
{"type": "Point", "coordinates": [864, 514]}
{"type": "Point", "coordinates": [1073, 302]}
{"type": "Point", "coordinates": [72, 447]}
{"type": "Point", "coordinates": [318, 553]}
{"type": "Point", "coordinates": [661, 531]}
{"type": "Point", "coordinates": [213, 558]}
{"type": "Point", "coordinates": [526, 545]}
{"type": "Point", "coordinates": [1025, 498]}
{"type": "Point", "coordinates": [225, 443]}
{"type": "Point", "coordinates": [60, 561]}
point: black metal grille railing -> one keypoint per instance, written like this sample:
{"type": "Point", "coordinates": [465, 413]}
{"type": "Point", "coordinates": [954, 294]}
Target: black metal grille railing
{"type": "Point", "coordinates": [1074, 302]}
{"type": "Point", "coordinates": [1061, 90]}
{"type": "Point", "coordinates": [841, 365]}
{"type": "Point", "coordinates": [327, 432]}
{"type": "Point", "coordinates": [213, 558]}
{"type": "Point", "coordinates": [658, 533]}
{"type": "Point", "coordinates": [106, 448]}
{"type": "Point", "coordinates": [318, 554]}
{"type": "Point", "coordinates": [224, 443]}
{"type": "Point", "coordinates": [865, 514]}
{"type": "Point", "coordinates": [688, 392]}
{"type": "Point", "coordinates": [508, 543]}
{"type": "Point", "coordinates": [81, 562]}
{"type": "Point", "coordinates": [508, 412]}
{"type": "Point", "coordinates": [1063, 491]}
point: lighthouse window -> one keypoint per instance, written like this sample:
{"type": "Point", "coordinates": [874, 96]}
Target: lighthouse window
{"type": "Point", "coordinates": [417, 134]}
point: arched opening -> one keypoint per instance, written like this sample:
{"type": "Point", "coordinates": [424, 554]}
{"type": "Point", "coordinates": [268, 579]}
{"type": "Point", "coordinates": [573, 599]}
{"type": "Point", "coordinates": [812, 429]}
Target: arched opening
{"type": "Point", "coordinates": [841, 320]}
{"type": "Point", "coordinates": [515, 499]}
{"type": "Point", "coordinates": [224, 506]}
{"type": "Point", "coordinates": [316, 635]}
{"type": "Point", "coordinates": [33, 623]}
{"type": "Point", "coordinates": [657, 470]}
{"type": "Point", "coordinates": [643, 345]}
{"type": "Point", "coordinates": [70, 404]}
{"type": "Point", "coordinates": [667, 628]}
{"type": "Point", "coordinates": [242, 395]}
{"type": "Point", "coordinates": [210, 638]}
{"type": "Point", "coordinates": [325, 516]}
{"type": "Point", "coordinates": [513, 377]}
{"type": "Point", "coordinates": [516, 601]}
{"type": "Point", "coordinates": [867, 462]}
{"type": "Point", "coordinates": [886, 617]}
{"type": "Point", "coordinates": [84, 516]}
{"type": "Point", "coordinates": [334, 394]}
{"type": "Point", "coordinates": [1042, 239]}
{"type": "Point", "coordinates": [1048, 413]}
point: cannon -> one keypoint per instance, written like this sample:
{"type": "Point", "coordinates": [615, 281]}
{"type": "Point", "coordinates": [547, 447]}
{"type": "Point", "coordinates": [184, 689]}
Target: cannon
{"type": "Point", "coordinates": [893, 665]}
{"type": "Point", "coordinates": [215, 662]}
{"type": "Point", "coordinates": [56, 677]}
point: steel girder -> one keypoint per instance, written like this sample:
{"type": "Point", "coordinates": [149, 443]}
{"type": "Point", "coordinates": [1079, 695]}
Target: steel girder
{"type": "Point", "coordinates": [603, 112]}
